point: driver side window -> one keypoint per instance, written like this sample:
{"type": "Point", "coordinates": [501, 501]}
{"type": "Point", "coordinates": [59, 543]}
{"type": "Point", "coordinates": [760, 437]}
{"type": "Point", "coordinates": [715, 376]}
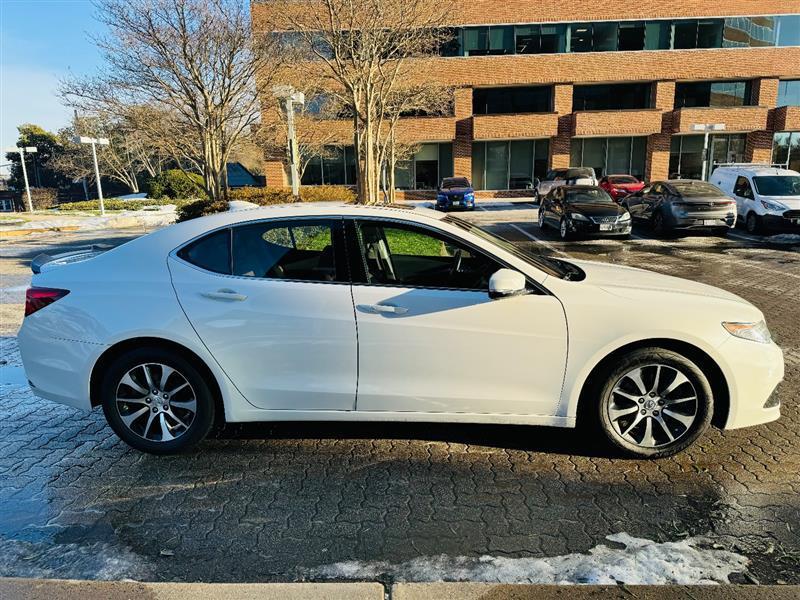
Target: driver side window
{"type": "Point", "coordinates": [743, 188]}
{"type": "Point", "coordinates": [403, 255]}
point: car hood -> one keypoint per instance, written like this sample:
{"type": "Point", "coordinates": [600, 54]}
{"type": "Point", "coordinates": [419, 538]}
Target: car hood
{"type": "Point", "coordinates": [629, 281]}
{"type": "Point", "coordinates": [627, 186]}
{"type": "Point", "coordinates": [793, 202]}
{"type": "Point", "coordinates": [593, 209]}
{"type": "Point", "coordinates": [463, 190]}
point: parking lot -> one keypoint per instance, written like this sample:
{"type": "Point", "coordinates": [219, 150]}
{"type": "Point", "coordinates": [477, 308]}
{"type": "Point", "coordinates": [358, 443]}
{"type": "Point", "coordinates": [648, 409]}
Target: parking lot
{"type": "Point", "coordinates": [400, 501]}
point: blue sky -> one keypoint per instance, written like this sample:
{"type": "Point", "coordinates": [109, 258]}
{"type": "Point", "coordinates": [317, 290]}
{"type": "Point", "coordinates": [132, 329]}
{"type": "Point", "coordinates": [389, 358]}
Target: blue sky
{"type": "Point", "coordinates": [41, 41]}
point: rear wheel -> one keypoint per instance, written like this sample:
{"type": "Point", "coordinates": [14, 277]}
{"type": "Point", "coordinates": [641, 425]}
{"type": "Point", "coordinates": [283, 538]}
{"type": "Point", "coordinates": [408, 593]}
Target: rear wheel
{"type": "Point", "coordinates": [655, 403]}
{"type": "Point", "coordinates": [542, 221]}
{"type": "Point", "coordinates": [156, 401]}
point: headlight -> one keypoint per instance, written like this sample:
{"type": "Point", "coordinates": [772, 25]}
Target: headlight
{"type": "Point", "coordinates": [577, 217]}
{"type": "Point", "coordinates": [469, 196]}
{"type": "Point", "coordinates": [774, 206]}
{"type": "Point", "coordinates": [625, 217]}
{"type": "Point", "coordinates": [755, 332]}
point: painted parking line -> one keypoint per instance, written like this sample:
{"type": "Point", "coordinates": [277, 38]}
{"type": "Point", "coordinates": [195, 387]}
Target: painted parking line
{"type": "Point", "coordinates": [529, 235]}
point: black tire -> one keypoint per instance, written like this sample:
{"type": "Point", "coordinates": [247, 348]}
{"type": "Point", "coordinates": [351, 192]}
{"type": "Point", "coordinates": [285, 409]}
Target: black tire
{"type": "Point", "coordinates": [563, 230]}
{"type": "Point", "coordinates": [657, 224]}
{"type": "Point", "coordinates": [542, 221]}
{"type": "Point", "coordinates": [752, 223]}
{"type": "Point", "coordinates": [605, 395]}
{"type": "Point", "coordinates": [200, 423]}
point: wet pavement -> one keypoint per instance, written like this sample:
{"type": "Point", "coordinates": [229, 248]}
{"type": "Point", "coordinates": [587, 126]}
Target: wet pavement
{"type": "Point", "coordinates": [292, 501]}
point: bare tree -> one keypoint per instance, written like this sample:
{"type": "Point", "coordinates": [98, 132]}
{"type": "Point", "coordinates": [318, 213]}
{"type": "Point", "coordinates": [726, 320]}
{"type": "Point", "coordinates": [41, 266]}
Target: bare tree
{"type": "Point", "coordinates": [366, 50]}
{"type": "Point", "coordinates": [193, 62]}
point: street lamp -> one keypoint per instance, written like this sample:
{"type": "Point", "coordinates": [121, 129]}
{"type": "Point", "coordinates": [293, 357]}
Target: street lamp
{"type": "Point", "coordinates": [22, 152]}
{"type": "Point", "coordinates": [706, 128]}
{"type": "Point", "coordinates": [79, 139]}
{"type": "Point", "coordinates": [291, 97]}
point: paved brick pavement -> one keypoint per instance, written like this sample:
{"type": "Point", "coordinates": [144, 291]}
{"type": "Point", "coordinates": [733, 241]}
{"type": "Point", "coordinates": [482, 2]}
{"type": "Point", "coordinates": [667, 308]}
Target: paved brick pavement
{"type": "Point", "coordinates": [276, 502]}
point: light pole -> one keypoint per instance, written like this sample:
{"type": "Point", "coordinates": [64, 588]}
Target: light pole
{"type": "Point", "coordinates": [291, 97]}
{"type": "Point", "coordinates": [22, 152]}
{"type": "Point", "coordinates": [706, 128]}
{"type": "Point", "coordinates": [95, 142]}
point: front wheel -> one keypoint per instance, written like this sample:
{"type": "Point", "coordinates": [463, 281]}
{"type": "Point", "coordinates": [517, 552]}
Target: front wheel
{"type": "Point", "coordinates": [659, 227]}
{"type": "Point", "coordinates": [655, 403]}
{"type": "Point", "coordinates": [542, 221]}
{"type": "Point", "coordinates": [563, 230]}
{"type": "Point", "coordinates": [753, 223]}
{"type": "Point", "coordinates": [157, 401]}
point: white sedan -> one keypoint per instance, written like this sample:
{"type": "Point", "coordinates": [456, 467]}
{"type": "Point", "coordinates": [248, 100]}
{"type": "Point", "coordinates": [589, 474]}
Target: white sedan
{"type": "Point", "coordinates": [335, 312]}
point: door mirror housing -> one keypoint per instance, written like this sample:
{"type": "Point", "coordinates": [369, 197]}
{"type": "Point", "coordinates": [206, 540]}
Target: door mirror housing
{"type": "Point", "coordinates": [506, 283]}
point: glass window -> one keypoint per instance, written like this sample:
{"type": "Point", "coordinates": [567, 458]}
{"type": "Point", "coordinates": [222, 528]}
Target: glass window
{"type": "Point", "coordinates": [478, 165]}
{"type": "Point", "coordinates": [684, 34]}
{"type": "Point", "coordinates": [696, 189]}
{"type": "Point", "coordinates": [580, 37]}
{"type": "Point", "coordinates": [445, 161]}
{"type": "Point", "coordinates": [521, 173]}
{"type": "Point", "coordinates": [749, 32]}
{"type": "Point", "coordinates": [212, 252]}
{"type": "Point", "coordinates": [619, 96]}
{"type": "Point", "coordinates": [619, 155]}
{"type": "Point", "coordinates": [509, 165]}
{"type": "Point", "coordinates": [296, 250]}
{"type": "Point", "coordinates": [312, 174]}
{"type": "Point", "coordinates": [709, 33]}
{"type": "Point", "coordinates": [333, 166]}
{"type": "Point", "coordinates": [497, 165]}
{"type": "Point", "coordinates": [480, 41]}
{"type": "Point", "coordinates": [553, 39]}
{"type": "Point", "coordinates": [717, 93]}
{"type": "Point", "coordinates": [742, 188]}
{"type": "Point", "coordinates": [778, 185]}
{"type": "Point", "coordinates": [658, 35]}
{"type": "Point", "coordinates": [611, 156]}
{"type": "Point", "coordinates": [541, 157]}
{"type": "Point", "coordinates": [789, 93]}
{"type": "Point", "coordinates": [527, 39]}
{"type": "Point", "coordinates": [786, 150]}
{"type": "Point", "coordinates": [631, 36]}
{"type": "Point", "coordinates": [788, 30]}
{"type": "Point", "coordinates": [402, 174]}
{"type": "Point", "coordinates": [604, 37]}
{"type": "Point", "coordinates": [410, 256]}
{"type": "Point", "coordinates": [493, 101]}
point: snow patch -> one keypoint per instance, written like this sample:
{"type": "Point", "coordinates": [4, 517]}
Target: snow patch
{"type": "Point", "coordinates": [640, 562]}
{"type": "Point", "coordinates": [784, 238]}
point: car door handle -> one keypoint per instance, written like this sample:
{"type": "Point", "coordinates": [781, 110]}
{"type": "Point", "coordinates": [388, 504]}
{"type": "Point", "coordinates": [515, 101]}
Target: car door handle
{"type": "Point", "coordinates": [225, 294]}
{"type": "Point", "coordinates": [383, 308]}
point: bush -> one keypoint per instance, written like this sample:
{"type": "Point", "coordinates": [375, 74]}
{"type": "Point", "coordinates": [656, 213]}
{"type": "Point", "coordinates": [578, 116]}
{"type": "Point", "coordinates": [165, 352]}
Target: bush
{"type": "Point", "coordinates": [116, 204]}
{"type": "Point", "coordinates": [200, 208]}
{"type": "Point", "coordinates": [41, 198]}
{"type": "Point", "coordinates": [174, 183]}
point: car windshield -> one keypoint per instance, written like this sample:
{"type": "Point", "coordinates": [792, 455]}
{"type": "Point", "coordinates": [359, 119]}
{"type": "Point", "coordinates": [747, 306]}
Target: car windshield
{"type": "Point", "coordinates": [623, 179]}
{"type": "Point", "coordinates": [582, 172]}
{"type": "Point", "coordinates": [777, 185]}
{"type": "Point", "coordinates": [455, 182]}
{"type": "Point", "coordinates": [696, 189]}
{"type": "Point", "coordinates": [552, 266]}
{"type": "Point", "coordinates": [593, 195]}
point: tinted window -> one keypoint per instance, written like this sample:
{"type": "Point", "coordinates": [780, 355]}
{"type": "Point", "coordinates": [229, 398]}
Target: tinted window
{"type": "Point", "coordinates": [580, 172]}
{"type": "Point", "coordinates": [690, 189]}
{"type": "Point", "coordinates": [455, 182]}
{"type": "Point", "coordinates": [742, 188]}
{"type": "Point", "coordinates": [591, 195]}
{"type": "Point", "coordinates": [212, 252]}
{"type": "Point", "coordinates": [717, 93]}
{"type": "Point", "coordinates": [778, 185]}
{"type": "Point", "coordinates": [611, 97]}
{"type": "Point", "coordinates": [408, 256]}
{"type": "Point", "coordinates": [298, 250]}
{"type": "Point", "coordinates": [492, 101]}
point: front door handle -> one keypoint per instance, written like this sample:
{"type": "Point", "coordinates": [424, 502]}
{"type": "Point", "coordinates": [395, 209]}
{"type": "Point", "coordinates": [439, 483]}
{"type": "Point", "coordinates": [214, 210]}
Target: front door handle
{"type": "Point", "coordinates": [383, 309]}
{"type": "Point", "coordinates": [225, 294]}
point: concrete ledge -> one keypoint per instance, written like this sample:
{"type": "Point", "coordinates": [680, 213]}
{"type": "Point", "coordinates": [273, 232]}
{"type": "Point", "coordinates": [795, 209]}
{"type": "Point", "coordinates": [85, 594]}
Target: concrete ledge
{"type": "Point", "coordinates": [490, 591]}
{"type": "Point", "coordinates": [61, 589]}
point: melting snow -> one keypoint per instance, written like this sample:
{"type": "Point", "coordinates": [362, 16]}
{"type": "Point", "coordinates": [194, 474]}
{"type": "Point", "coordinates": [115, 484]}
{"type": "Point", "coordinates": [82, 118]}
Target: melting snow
{"type": "Point", "coordinates": [640, 562]}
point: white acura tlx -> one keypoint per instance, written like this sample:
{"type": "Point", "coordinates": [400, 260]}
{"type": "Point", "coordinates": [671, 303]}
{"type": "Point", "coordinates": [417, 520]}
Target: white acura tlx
{"type": "Point", "coordinates": [336, 312]}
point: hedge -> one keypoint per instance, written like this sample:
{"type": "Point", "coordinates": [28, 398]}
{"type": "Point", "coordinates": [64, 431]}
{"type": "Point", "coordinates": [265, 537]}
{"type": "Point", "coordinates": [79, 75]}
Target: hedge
{"type": "Point", "coordinates": [174, 183]}
{"type": "Point", "coordinates": [117, 204]}
{"type": "Point", "coordinates": [41, 198]}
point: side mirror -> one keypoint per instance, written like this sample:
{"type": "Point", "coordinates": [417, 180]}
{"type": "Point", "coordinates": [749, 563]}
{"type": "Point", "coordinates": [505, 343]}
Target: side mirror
{"type": "Point", "coordinates": [505, 283]}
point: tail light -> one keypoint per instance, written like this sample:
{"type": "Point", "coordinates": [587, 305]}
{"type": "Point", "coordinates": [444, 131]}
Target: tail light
{"type": "Point", "coordinates": [37, 298]}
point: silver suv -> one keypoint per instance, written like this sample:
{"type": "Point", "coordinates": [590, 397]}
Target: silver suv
{"type": "Point", "coordinates": [568, 176]}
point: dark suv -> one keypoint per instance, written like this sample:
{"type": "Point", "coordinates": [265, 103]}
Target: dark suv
{"type": "Point", "coordinates": [455, 192]}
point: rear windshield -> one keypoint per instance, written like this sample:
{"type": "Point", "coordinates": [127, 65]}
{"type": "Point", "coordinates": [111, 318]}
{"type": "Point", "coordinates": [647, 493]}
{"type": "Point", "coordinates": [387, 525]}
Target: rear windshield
{"type": "Point", "coordinates": [581, 172]}
{"type": "Point", "coordinates": [455, 182]}
{"type": "Point", "coordinates": [590, 195]}
{"type": "Point", "coordinates": [777, 185]}
{"type": "Point", "coordinates": [623, 179]}
{"type": "Point", "coordinates": [696, 189]}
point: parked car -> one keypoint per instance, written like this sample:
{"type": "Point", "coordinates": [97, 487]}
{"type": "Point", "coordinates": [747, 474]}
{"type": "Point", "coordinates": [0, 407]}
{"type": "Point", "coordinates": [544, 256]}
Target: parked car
{"type": "Point", "coordinates": [568, 176]}
{"type": "Point", "coordinates": [682, 204]}
{"type": "Point", "coordinates": [583, 210]}
{"type": "Point", "coordinates": [342, 312]}
{"type": "Point", "coordinates": [455, 192]}
{"type": "Point", "coordinates": [766, 198]}
{"type": "Point", "coordinates": [619, 186]}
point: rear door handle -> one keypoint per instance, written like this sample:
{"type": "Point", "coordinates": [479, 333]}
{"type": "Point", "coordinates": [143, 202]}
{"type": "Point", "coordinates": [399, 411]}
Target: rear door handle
{"type": "Point", "coordinates": [383, 308]}
{"type": "Point", "coordinates": [225, 294]}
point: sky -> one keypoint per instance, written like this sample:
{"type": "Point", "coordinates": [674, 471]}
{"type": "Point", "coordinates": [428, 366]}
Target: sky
{"type": "Point", "coordinates": [41, 41]}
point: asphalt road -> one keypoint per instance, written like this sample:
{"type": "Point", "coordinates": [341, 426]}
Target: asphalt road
{"type": "Point", "coordinates": [408, 502]}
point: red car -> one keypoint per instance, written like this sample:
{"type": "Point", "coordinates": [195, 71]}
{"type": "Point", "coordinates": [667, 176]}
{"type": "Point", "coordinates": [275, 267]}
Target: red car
{"type": "Point", "coordinates": [619, 186]}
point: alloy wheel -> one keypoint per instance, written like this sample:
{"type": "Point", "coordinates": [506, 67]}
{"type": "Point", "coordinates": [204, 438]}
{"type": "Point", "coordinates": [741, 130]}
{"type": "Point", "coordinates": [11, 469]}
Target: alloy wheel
{"type": "Point", "coordinates": [653, 406]}
{"type": "Point", "coordinates": [156, 402]}
{"type": "Point", "coordinates": [541, 219]}
{"type": "Point", "coordinates": [563, 229]}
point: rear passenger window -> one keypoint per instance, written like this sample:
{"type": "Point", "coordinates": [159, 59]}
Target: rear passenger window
{"type": "Point", "coordinates": [212, 252]}
{"type": "Point", "coordinates": [297, 250]}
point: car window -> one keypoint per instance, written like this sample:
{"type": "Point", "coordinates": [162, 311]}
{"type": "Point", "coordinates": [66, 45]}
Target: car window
{"type": "Point", "coordinates": [657, 189]}
{"type": "Point", "coordinates": [211, 252]}
{"type": "Point", "coordinates": [623, 179]}
{"type": "Point", "coordinates": [696, 189]}
{"type": "Point", "coordinates": [778, 185]}
{"type": "Point", "coordinates": [410, 256]}
{"type": "Point", "coordinates": [298, 250]}
{"type": "Point", "coordinates": [592, 195]}
{"type": "Point", "coordinates": [742, 188]}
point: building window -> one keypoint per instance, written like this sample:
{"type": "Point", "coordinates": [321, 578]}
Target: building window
{"type": "Point", "coordinates": [618, 96]}
{"type": "Point", "coordinates": [425, 170]}
{"type": "Point", "coordinates": [482, 41]}
{"type": "Point", "coordinates": [540, 39]}
{"type": "Point", "coordinates": [336, 166]}
{"type": "Point", "coordinates": [786, 150]}
{"type": "Point", "coordinates": [788, 33]}
{"type": "Point", "coordinates": [789, 93]}
{"type": "Point", "coordinates": [631, 36]}
{"type": "Point", "coordinates": [508, 165]}
{"type": "Point", "coordinates": [497, 101]}
{"type": "Point", "coordinates": [703, 33]}
{"type": "Point", "coordinates": [686, 154]}
{"type": "Point", "coordinates": [610, 156]}
{"type": "Point", "coordinates": [717, 94]}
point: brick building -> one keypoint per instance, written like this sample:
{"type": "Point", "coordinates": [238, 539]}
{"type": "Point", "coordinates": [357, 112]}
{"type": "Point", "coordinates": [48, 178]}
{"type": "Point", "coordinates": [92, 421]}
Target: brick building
{"type": "Point", "coordinates": [618, 86]}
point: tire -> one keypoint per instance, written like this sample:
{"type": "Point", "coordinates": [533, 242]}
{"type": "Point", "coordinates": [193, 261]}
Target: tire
{"type": "Point", "coordinates": [752, 223]}
{"type": "Point", "coordinates": [659, 228]}
{"type": "Point", "coordinates": [563, 230]}
{"type": "Point", "coordinates": [125, 393]}
{"type": "Point", "coordinates": [542, 221]}
{"type": "Point", "coordinates": [685, 421]}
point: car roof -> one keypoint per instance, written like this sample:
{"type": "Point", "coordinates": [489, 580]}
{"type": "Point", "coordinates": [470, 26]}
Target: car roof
{"type": "Point", "coordinates": [580, 187]}
{"type": "Point", "coordinates": [757, 171]}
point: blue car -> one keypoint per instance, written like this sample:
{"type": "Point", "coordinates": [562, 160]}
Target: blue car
{"type": "Point", "coordinates": [455, 192]}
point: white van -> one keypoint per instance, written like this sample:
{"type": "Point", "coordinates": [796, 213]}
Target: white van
{"type": "Point", "coordinates": [767, 198]}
